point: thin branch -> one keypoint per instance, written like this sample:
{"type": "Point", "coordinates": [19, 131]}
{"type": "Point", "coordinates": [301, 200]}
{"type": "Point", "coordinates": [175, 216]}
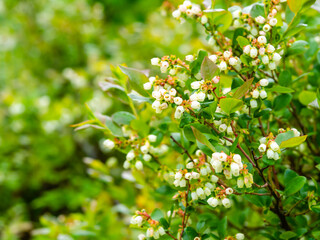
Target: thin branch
{"type": "Point", "coordinates": [265, 73]}
{"type": "Point", "coordinates": [169, 234]}
{"type": "Point", "coordinates": [185, 210]}
{"type": "Point", "coordinates": [184, 150]}
{"type": "Point", "coordinates": [293, 206]}
{"type": "Point", "coordinates": [261, 127]}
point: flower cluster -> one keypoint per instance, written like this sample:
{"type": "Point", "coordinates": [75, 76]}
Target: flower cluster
{"type": "Point", "coordinates": [259, 92]}
{"type": "Point", "coordinates": [259, 25]}
{"type": "Point", "coordinates": [170, 63]}
{"type": "Point", "coordinates": [260, 51]}
{"type": "Point", "coordinates": [189, 10]}
{"type": "Point", "coordinates": [200, 174]}
{"type": "Point", "coordinates": [226, 60]}
{"type": "Point", "coordinates": [140, 150]}
{"type": "Point", "coordinates": [142, 219]}
{"type": "Point", "coordinates": [269, 146]}
{"type": "Point", "coordinates": [231, 165]}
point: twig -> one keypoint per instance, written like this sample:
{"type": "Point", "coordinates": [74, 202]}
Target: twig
{"type": "Point", "coordinates": [261, 127]}
{"type": "Point", "coordinates": [293, 206]}
{"type": "Point", "coordinates": [185, 210]}
{"type": "Point", "coordinates": [184, 150]}
{"type": "Point", "coordinates": [169, 234]}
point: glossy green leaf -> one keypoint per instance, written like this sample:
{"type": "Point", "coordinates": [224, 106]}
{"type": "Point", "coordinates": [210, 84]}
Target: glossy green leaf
{"type": "Point", "coordinates": [295, 5]}
{"type": "Point", "coordinates": [230, 105]}
{"type": "Point", "coordinates": [123, 118]}
{"type": "Point", "coordinates": [196, 64]}
{"type": "Point", "coordinates": [281, 101]}
{"type": "Point", "coordinates": [284, 137]}
{"type": "Point", "coordinates": [306, 97]}
{"type": "Point", "coordinates": [280, 89]}
{"type": "Point", "coordinates": [285, 78]}
{"type": "Point", "coordinates": [294, 185]}
{"type": "Point", "coordinates": [242, 90]}
{"type": "Point", "coordinates": [221, 18]}
{"type": "Point", "coordinates": [208, 68]}
{"type": "Point", "coordinates": [136, 80]}
{"type": "Point", "coordinates": [242, 41]}
{"type": "Point", "coordinates": [293, 142]}
{"type": "Point", "coordinates": [257, 10]}
{"type": "Point", "coordinates": [114, 128]}
{"type": "Point", "coordinates": [202, 138]}
{"type": "Point", "coordinates": [294, 30]}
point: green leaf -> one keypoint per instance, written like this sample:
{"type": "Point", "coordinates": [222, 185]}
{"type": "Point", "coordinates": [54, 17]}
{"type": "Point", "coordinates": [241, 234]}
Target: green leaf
{"type": "Point", "coordinates": [114, 90]}
{"type": "Point", "coordinates": [189, 233]}
{"type": "Point", "coordinates": [294, 185]}
{"type": "Point", "coordinates": [139, 99]}
{"type": "Point", "coordinates": [157, 214]}
{"type": "Point", "coordinates": [230, 105]}
{"type": "Point", "coordinates": [298, 47]}
{"type": "Point", "coordinates": [287, 235]}
{"type": "Point", "coordinates": [281, 101]}
{"type": "Point", "coordinates": [222, 227]}
{"type": "Point", "coordinates": [241, 91]}
{"type": "Point", "coordinates": [307, 4]}
{"type": "Point", "coordinates": [245, 59]}
{"type": "Point", "coordinates": [208, 68]}
{"type": "Point", "coordinates": [284, 137]}
{"type": "Point", "coordinates": [295, 5]}
{"type": "Point", "coordinates": [289, 175]}
{"type": "Point", "coordinates": [136, 80]}
{"type": "Point", "coordinates": [220, 18]}
{"type": "Point", "coordinates": [242, 41]}
{"type": "Point", "coordinates": [280, 89]}
{"type": "Point", "coordinates": [306, 97]}
{"type": "Point", "coordinates": [236, 82]}
{"type": "Point", "coordinates": [294, 30]}
{"type": "Point", "coordinates": [237, 32]}
{"type": "Point", "coordinates": [196, 64]}
{"type": "Point", "coordinates": [123, 118]}
{"type": "Point", "coordinates": [257, 10]}
{"type": "Point", "coordinates": [114, 129]}
{"type": "Point", "coordinates": [285, 78]}
{"type": "Point", "coordinates": [164, 223]}
{"type": "Point", "coordinates": [293, 142]}
{"type": "Point", "coordinates": [202, 138]}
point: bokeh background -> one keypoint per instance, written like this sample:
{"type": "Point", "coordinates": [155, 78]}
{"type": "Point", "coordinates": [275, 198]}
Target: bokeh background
{"type": "Point", "coordinates": [55, 182]}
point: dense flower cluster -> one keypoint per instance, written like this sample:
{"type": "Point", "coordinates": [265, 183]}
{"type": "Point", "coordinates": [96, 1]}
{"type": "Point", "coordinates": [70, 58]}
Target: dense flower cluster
{"type": "Point", "coordinates": [200, 172]}
{"type": "Point", "coordinates": [189, 10]}
{"type": "Point", "coordinates": [154, 229]}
